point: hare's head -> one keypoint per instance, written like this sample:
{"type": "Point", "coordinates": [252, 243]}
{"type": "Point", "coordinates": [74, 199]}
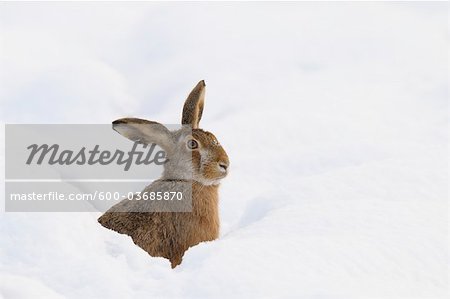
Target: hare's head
{"type": "Point", "coordinates": [192, 153]}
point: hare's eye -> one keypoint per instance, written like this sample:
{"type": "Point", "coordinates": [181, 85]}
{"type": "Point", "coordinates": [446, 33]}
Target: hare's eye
{"type": "Point", "coordinates": [192, 144]}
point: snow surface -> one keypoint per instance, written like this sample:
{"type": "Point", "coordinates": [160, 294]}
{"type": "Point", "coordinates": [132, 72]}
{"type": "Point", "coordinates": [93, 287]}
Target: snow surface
{"type": "Point", "coordinates": [334, 115]}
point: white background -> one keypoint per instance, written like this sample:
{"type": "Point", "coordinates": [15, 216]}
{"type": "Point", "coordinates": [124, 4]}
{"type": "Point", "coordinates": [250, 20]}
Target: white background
{"type": "Point", "coordinates": [334, 115]}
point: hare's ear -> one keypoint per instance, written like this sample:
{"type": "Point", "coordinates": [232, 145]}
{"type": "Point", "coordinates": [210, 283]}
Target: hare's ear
{"type": "Point", "coordinates": [145, 131]}
{"type": "Point", "coordinates": [193, 107]}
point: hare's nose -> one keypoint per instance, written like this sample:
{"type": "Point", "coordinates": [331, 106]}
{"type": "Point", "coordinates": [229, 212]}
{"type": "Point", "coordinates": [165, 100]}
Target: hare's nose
{"type": "Point", "coordinates": [223, 166]}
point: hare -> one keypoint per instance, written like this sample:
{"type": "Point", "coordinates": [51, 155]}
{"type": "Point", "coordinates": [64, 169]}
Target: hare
{"type": "Point", "coordinates": [170, 234]}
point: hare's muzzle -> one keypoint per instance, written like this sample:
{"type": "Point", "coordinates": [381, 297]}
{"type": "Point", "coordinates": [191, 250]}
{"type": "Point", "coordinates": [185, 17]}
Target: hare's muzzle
{"type": "Point", "coordinates": [223, 167]}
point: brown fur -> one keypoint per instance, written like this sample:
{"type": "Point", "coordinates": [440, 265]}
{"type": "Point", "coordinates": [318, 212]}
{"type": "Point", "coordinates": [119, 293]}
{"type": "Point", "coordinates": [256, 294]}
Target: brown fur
{"type": "Point", "coordinates": [170, 234]}
{"type": "Point", "coordinates": [193, 107]}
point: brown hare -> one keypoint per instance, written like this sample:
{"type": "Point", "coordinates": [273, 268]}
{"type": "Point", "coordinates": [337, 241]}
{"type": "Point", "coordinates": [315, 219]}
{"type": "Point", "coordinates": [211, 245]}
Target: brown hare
{"type": "Point", "coordinates": [170, 234]}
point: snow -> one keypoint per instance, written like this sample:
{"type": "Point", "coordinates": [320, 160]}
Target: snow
{"type": "Point", "coordinates": [334, 115]}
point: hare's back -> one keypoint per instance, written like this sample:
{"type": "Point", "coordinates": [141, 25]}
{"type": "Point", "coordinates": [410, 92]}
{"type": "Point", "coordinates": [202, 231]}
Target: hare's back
{"type": "Point", "coordinates": [147, 211]}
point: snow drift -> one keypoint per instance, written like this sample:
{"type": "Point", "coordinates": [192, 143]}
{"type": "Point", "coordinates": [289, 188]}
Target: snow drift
{"type": "Point", "coordinates": [334, 116]}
